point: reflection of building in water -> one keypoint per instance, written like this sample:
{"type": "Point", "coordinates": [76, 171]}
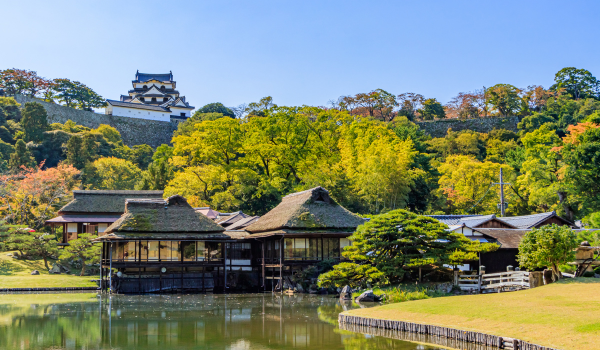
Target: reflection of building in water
{"type": "Point", "coordinates": [242, 322]}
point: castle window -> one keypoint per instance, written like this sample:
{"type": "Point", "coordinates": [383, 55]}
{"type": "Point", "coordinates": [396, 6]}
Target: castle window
{"type": "Point", "coordinates": [145, 86]}
{"type": "Point", "coordinates": [165, 99]}
{"type": "Point", "coordinates": [153, 99]}
{"type": "Point", "coordinates": [142, 99]}
{"type": "Point", "coordinates": [182, 114]}
{"type": "Point", "coordinates": [162, 88]}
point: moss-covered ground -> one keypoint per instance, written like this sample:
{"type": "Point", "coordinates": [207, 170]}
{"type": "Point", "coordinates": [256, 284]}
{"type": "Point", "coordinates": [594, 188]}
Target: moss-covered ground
{"type": "Point", "coordinates": [16, 273]}
{"type": "Point", "coordinates": [563, 315]}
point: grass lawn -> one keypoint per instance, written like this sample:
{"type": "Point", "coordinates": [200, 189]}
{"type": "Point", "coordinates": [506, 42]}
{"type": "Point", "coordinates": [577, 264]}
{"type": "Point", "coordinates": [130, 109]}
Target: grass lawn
{"type": "Point", "coordinates": [17, 274]}
{"type": "Point", "coordinates": [563, 315]}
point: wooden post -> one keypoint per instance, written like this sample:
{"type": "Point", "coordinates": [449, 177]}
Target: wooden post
{"type": "Point", "coordinates": [110, 268]}
{"type": "Point", "coordinates": [456, 276]}
{"type": "Point", "coordinates": [262, 245]}
{"type": "Point", "coordinates": [479, 280]}
{"type": "Point", "coordinates": [224, 266]}
{"type": "Point", "coordinates": [420, 279]}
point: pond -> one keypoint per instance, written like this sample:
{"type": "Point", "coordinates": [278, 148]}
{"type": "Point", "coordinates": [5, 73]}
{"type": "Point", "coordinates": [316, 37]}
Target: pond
{"type": "Point", "coordinates": [219, 321]}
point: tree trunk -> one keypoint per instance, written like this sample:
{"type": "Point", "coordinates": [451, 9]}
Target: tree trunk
{"type": "Point", "coordinates": [46, 262]}
{"type": "Point", "coordinates": [82, 268]}
{"type": "Point", "coordinates": [562, 198]}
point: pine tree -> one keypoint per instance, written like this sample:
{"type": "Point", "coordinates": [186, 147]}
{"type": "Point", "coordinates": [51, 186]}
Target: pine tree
{"type": "Point", "coordinates": [21, 157]}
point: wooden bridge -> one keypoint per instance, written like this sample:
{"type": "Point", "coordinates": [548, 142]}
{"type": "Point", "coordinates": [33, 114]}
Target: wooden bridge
{"type": "Point", "coordinates": [493, 282]}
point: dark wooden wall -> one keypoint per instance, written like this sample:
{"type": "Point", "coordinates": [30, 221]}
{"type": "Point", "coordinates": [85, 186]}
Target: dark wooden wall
{"type": "Point", "coordinates": [498, 261]}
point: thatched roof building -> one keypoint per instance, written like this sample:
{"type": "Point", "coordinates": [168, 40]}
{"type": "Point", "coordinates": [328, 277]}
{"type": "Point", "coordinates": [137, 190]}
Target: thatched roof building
{"type": "Point", "coordinates": [310, 211]}
{"type": "Point", "coordinates": [172, 218]}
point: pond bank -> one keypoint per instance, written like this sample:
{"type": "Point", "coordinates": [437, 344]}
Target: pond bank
{"type": "Point", "coordinates": [455, 336]}
{"type": "Point", "coordinates": [563, 315]}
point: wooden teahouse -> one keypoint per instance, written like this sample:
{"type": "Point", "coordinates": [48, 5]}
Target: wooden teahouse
{"type": "Point", "coordinates": [305, 228]}
{"type": "Point", "coordinates": [161, 245]}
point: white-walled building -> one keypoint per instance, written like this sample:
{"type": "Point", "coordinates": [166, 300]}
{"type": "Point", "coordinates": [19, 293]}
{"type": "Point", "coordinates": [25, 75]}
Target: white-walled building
{"type": "Point", "coordinates": [153, 97]}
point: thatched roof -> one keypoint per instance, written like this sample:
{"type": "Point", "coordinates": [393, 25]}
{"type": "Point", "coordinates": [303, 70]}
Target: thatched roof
{"type": "Point", "coordinates": [310, 210]}
{"type": "Point", "coordinates": [506, 238]}
{"type": "Point", "coordinates": [104, 201]}
{"type": "Point", "coordinates": [162, 217]}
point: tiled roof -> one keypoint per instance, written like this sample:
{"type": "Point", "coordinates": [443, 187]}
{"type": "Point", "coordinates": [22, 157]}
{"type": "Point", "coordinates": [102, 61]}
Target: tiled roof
{"type": "Point", "coordinates": [141, 77]}
{"type": "Point", "coordinates": [530, 221]}
{"type": "Point", "coordinates": [138, 106]}
{"type": "Point", "coordinates": [450, 219]}
{"type": "Point", "coordinates": [240, 224]}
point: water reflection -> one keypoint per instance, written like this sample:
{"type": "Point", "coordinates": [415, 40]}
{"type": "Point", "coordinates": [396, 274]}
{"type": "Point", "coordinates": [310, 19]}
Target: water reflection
{"type": "Point", "coordinates": [236, 322]}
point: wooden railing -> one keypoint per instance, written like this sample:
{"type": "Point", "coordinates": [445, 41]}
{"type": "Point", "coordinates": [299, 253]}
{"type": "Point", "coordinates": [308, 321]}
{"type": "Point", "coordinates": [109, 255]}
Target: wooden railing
{"type": "Point", "coordinates": [510, 280]}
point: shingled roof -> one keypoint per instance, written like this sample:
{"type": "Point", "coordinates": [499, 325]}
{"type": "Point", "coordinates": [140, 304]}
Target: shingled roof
{"type": "Point", "coordinates": [310, 210]}
{"type": "Point", "coordinates": [104, 201]}
{"type": "Point", "coordinates": [507, 238]}
{"type": "Point", "coordinates": [531, 221]}
{"type": "Point", "coordinates": [173, 216]}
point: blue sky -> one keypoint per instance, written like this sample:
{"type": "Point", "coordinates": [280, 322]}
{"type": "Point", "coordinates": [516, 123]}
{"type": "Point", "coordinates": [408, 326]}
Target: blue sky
{"type": "Point", "coordinates": [301, 52]}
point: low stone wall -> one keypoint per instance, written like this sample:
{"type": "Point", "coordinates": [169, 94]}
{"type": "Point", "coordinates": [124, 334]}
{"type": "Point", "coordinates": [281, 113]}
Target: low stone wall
{"type": "Point", "coordinates": [372, 325]}
{"type": "Point", "coordinates": [439, 128]}
{"type": "Point", "coordinates": [133, 131]}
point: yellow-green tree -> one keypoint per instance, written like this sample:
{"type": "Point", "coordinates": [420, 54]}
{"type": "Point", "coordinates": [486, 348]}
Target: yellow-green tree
{"type": "Point", "coordinates": [377, 163]}
{"type": "Point", "coordinates": [467, 183]}
{"type": "Point", "coordinates": [111, 174]}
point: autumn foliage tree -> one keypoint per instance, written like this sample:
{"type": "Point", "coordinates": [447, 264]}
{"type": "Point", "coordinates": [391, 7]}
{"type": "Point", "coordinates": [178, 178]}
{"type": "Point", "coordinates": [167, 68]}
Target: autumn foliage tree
{"type": "Point", "coordinates": [32, 195]}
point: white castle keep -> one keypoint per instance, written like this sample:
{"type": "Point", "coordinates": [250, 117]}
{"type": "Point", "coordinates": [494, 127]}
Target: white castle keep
{"type": "Point", "coordinates": [153, 97]}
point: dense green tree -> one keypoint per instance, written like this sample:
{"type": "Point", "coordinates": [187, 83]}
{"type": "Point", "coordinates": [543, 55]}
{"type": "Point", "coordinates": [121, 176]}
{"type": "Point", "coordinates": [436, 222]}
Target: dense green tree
{"type": "Point", "coordinates": [5, 135]}
{"type": "Point", "coordinates": [11, 108]}
{"type": "Point", "coordinates": [504, 99]}
{"type": "Point", "coordinates": [156, 177]}
{"type": "Point", "coordinates": [216, 107]}
{"type": "Point", "coordinates": [43, 245]}
{"type": "Point", "coordinates": [582, 158]}
{"type": "Point", "coordinates": [34, 120]}
{"type": "Point", "coordinates": [398, 241]}
{"type": "Point", "coordinates": [350, 274]}
{"type": "Point", "coordinates": [6, 150]}
{"type": "Point", "coordinates": [83, 250]}
{"type": "Point", "coordinates": [548, 246]}
{"type": "Point", "coordinates": [579, 83]}
{"type": "Point", "coordinates": [432, 109]}
{"type": "Point", "coordinates": [19, 239]}
{"type": "Point", "coordinates": [21, 157]}
{"type": "Point", "coordinates": [80, 150]}
{"type": "Point", "coordinates": [141, 155]}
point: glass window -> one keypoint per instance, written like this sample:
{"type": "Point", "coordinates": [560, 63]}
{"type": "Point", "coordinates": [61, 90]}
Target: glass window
{"type": "Point", "coordinates": [143, 250]}
{"type": "Point", "coordinates": [313, 249]}
{"type": "Point", "coordinates": [189, 251]}
{"type": "Point", "coordinates": [165, 251]}
{"type": "Point", "coordinates": [200, 251]}
{"type": "Point", "coordinates": [175, 256]}
{"type": "Point", "coordinates": [334, 247]}
{"type": "Point", "coordinates": [214, 251]}
{"type": "Point", "coordinates": [129, 253]}
{"type": "Point", "coordinates": [153, 250]}
{"type": "Point", "coordinates": [288, 248]}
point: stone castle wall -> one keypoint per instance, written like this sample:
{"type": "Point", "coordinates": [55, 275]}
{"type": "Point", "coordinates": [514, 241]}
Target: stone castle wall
{"type": "Point", "coordinates": [439, 128]}
{"type": "Point", "coordinates": [133, 131]}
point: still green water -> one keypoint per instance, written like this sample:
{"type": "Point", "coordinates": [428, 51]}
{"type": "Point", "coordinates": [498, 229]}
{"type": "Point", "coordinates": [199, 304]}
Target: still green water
{"type": "Point", "coordinates": [232, 322]}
